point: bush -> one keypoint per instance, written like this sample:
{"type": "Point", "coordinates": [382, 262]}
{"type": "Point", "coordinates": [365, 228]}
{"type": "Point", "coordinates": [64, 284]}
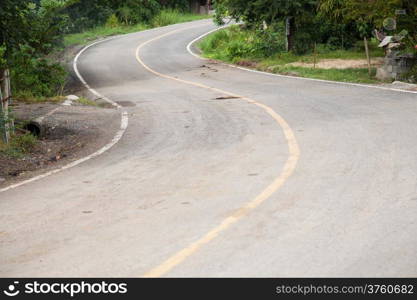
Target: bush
{"type": "Point", "coordinates": [165, 17]}
{"type": "Point", "coordinates": [181, 5]}
{"type": "Point", "coordinates": [38, 75]}
{"type": "Point", "coordinates": [87, 14]}
{"type": "Point", "coordinates": [24, 143]}
{"type": "Point", "coordinates": [303, 43]}
{"type": "Point", "coordinates": [270, 41]}
{"type": "Point", "coordinates": [19, 145]}
{"type": "Point", "coordinates": [112, 21]}
{"type": "Point", "coordinates": [215, 40]}
{"type": "Point", "coordinates": [141, 11]}
{"type": "Point", "coordinates": [235, 43]}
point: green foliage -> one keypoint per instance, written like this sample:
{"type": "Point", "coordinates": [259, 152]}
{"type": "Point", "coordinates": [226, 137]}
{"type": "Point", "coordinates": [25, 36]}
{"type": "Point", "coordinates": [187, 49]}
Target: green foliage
{"type": "Point", "coordinates": [235, 43]}
{"type": "Point", "coordinates": [87, 36]}
{"type": "Point", "coordinates": [35, 74]}
{"type": "Point", "coordinates": [27, 96]}
{"type": "Point", "coordinates": [112, 22]}
{"type": "Point", "coordinates": [343, 75]}
{"type": "Point", "coordinates": [38, 24]}
{"type": "Point", "coordinates": [86, 14]}
{"type": "Point", "coordinates": [180, 5]}
{"type": "Point", "coordinates": [19, 145]}
{"type": "Point", "coordinates": [172, 16]}
{"type": "Point", "coordinates": [24, 142]}
{"type": "Point", "coordinates": [369, 14]}
{"type": "Point", "coordinates": [255, 12]}
{"type": "Point", "coordinates": [125, 14]}
{"type": "Point", "coordinates": [270, 41]}
{"type": "Point", "coordinates": [32, 29]}
{"type": "Point", "coordinates": [165, 17]}
{"type": "Point", "coordinates": [87, 102]}
{"type": "Point", "coordinates": [135, 11]}
{"type": "Point", "coordinates": [238, 45]}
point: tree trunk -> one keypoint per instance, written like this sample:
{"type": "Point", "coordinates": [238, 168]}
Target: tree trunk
{"type": "Point", "coordinates": [5, 94]}
{"type": "Point", "coordinates": [290, 32]}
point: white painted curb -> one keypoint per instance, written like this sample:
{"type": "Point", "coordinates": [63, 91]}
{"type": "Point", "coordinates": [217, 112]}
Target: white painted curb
{"type": "Point", "coordinates": [189, 46]}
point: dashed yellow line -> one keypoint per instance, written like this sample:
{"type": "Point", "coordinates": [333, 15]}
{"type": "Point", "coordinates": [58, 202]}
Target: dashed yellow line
{"type": "Point", "coordinates": [288, 169]}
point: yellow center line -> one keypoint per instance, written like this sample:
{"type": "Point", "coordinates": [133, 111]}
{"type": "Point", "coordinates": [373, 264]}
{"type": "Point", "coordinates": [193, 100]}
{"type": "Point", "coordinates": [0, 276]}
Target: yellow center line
{"type": "Point", "coordinates": [288, 169]}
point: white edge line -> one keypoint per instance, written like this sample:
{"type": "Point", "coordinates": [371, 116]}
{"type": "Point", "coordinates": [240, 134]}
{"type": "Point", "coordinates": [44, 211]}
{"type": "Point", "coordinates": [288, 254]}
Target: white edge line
{"type": "Point", "coordinates": [124, 116]}
{"type": "Point", "coordinates": [123, 126]}
{"type": "Point", "coordinates": [286, 76]}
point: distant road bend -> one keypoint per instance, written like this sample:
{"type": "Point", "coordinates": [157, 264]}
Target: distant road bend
{"type": "Point", "coordinates": [224, 172]}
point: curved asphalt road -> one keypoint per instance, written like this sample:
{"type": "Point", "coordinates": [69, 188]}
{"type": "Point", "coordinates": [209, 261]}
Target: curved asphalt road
{"type": "Point", "coordinates": [188, 161]}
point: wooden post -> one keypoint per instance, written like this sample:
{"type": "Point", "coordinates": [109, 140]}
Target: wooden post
{"type": "Point", "coordinates": [4, 107]}
{"type": "Point", "coordinates": [368, 58]}
{"type": "Point", "coordinates": [315, 54]}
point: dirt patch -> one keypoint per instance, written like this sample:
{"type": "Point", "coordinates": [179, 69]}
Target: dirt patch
{"type": "Point", "coordinates": [70, 132]}
{"type": "Point", "coordinates": [340, 63]}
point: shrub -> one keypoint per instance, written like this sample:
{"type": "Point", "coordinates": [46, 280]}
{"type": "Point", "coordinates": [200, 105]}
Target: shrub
{"type": "Point", "coordinates": [19, 145]}
{"type": "Point", "coordinates": [181, 5]}
{"type": "Point", "coordinates": [269, 41]}
{"type": "Point", "coordinates": [38, 75]}
{"type": "Point", "coordinates": [142, 10]}
{"type": "Point", "coordinates": [235, 43]}
{"type": "Point", "coordinates": [165, 17]}
{"type": "Point", "coordinates": [112, 21]}
{"type": "Point", "coordinates": [23, 143]}
{"type": "Point", "coordinates": [303, 43]}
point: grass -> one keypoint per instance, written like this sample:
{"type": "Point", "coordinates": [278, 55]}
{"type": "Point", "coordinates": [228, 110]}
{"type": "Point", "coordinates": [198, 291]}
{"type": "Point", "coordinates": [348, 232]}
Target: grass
{"type": "Point", "coordinates": [234, 45]}
{"type": "Point", "coordinates": [165, 17]}
{"type": "Point", "coordinates": [100, 32]}
{"type": "Point", "coordinates": [19, 145]}
{"type": "Point", "coordinates": [356, 75]}
{"type": "Point", "coordinates": [28, 97]}
{"type": "Point", "coordinates": [171, 16]}
{"type": "Point", "coordinates": [88, 102]}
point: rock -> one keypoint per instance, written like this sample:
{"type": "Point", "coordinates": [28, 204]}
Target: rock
{"type": "Point", "coordinates": [385, 41]}
{"type": "Point", "coordinates": [72, 98]}
{"type": "Point", "coordinates": [382, 74]}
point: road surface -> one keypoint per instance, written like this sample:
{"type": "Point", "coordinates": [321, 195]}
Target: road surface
{"type": "Point", "coordinates": [224, 172]}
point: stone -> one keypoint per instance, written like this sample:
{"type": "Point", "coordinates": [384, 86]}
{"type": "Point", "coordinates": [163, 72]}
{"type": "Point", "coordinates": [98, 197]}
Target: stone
{"type": "Point", "coordinates": [385, 41]}
{"type": "Point", "coordinates": [72, 97]}
{"type": "Point", "coordinates": [382, 74]}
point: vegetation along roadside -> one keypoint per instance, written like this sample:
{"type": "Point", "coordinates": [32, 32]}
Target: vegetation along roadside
{"type": "Point", "coordinates": [34, 34]}
{"type": "Point", "coordinates": [323, 39]}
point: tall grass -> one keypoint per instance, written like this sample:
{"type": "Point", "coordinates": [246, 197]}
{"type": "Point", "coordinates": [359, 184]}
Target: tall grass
{"type": "Point", "coordinates": [172, 16]}
{"type": "Point", "coordinates": [83, 38]}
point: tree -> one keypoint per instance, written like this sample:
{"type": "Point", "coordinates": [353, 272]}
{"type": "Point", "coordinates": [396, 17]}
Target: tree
{"type": "Point", "coordinates": [268, 12]}
{"type": "Point", "coordinates": [370, 14]}
{"type": "Point", "coordinates": [28, 31]}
